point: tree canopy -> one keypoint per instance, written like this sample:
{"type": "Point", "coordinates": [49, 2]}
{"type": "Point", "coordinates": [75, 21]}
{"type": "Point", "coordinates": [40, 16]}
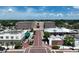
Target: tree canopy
{"type": "Point", "coordinates": [69, 41]}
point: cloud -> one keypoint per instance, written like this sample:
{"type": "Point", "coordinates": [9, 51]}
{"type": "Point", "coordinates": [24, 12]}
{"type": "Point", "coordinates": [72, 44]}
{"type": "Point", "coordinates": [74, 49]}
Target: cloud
{"type": "Point", "coordinates": [76, 7]}
{"type": "Point", "coordinates": [68, 8]}
{"type": "Point", "coordinates": [42, 8]}
{"type": "Point", "coordinates": [7, 10]}
{"type": "Point", "coordinates": [10, 9]}
{"type": "Point", "coordinates": [60, 14]}
{"type": "Point", "coordinates": [30, 10]}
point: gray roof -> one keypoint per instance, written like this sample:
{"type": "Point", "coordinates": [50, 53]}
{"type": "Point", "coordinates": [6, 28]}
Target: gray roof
{"type": "Point", "coordinates": [49, 24]}
{"type": "Point", "coordinates": [77, 36]}
{"type": "Point", "coordinates": [24, 25]}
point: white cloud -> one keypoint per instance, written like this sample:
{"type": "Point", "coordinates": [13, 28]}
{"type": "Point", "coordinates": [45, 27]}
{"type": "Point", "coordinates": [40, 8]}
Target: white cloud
{"type": "Point", "coordinates": [10, 9]}
{"type": "Point", "coordinates": [42, 8]}
{"type": "Point", "coordinates": [76, 7]}
{"type": "Point", "coordinates": [7, 10]}
{"type": "Point", "coordinates": [68, 8]}
{"type": "Point", "coordinates": [72, 14]}
{"type": "Point", "coordinates": [30, 10]}
{"type": "Point", "coordinates": [60, 14]}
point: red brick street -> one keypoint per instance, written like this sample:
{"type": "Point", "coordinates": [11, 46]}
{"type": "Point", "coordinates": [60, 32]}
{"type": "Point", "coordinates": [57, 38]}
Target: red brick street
{"type": "Point", "coordinates": [38, 47]}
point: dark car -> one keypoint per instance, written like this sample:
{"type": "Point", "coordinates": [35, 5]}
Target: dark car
{"type": "Point", "coordinates": [72, 48]}
{"type": "Point", "coordinates": [7, 49]}
{"type": "Point", "coordinates": [2, 48]}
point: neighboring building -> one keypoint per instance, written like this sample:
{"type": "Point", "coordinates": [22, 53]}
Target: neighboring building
{"type": "Point", "coordinates": [58, 30]}
{"type": "Point", "coordinates": [24, 25]}
{"type": "Point", "coordinates": [58, 35]}
{"type": "Point", "coordinates": [53, 40]}
{"type": "Point", "coordinates": [8, 38]}
{"type": "Point", "coordinates": [49, 24]}
{"type": "Point", "coordinates": [77, 40]}
{"type": "Point", "coordinates": [1, 27]}
{"type": "Point", "coordinates": [30, 24]}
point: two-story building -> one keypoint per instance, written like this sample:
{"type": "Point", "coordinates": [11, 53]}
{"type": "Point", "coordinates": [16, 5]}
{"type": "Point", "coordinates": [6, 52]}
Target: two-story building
{"type": "Point", "coordinates": [8, 38]}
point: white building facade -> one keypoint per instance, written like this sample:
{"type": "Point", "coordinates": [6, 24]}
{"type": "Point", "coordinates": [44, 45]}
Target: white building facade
{"type": "Point", "coordinates": [9, 37]}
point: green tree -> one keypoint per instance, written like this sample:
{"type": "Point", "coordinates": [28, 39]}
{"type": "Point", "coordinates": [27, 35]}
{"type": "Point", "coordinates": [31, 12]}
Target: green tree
{"type": "Point", "coordinates": [7, 44]}
{"type": "Point", "coordinates": [76, 26]}
{"type": "Point", "coordinates": [8, 22]}
{"type": "Point", "coordinates": [60, 23]}
{"type": "Point", "coordinates": [18, 45]}
{"type": "Point", "coordinates": [12, 44]}
{"type": "Point", "coordinates": [69, 41]}
{"type": "Point", "coordinates": [32, 30]}
{"type": "Point", "coordinates": [46, 35]}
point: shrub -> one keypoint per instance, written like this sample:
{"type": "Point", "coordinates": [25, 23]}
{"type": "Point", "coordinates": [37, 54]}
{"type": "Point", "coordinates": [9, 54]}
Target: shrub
{"type": "Point", "coordinates": [31, 42]}
{"type": "Point", "coordinates": [32, 30]}
{"type": "Point", "coordinates": [18, 45]}
{"type": "Point", "coordinates": [46, 35]}
{"type": "Point", "coordinates": [55, 47]}
{"type": "Point", "coordinates": [69, 41]}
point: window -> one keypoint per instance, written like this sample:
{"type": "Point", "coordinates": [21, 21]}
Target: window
{"type": "Point", "coordinates": [12, 37]}
{"type": "Point", "coordinates": [11, 43]}
{"type": "Point", "coordinates": [7, 37]}
{"type": "Point", "coordinates": [1, 37]}
{"type": "Point", "coordinates": [0, 43]}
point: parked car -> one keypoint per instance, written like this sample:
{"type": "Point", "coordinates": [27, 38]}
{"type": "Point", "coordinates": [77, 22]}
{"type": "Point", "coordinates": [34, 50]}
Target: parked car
{"type": "Point", "coordinates": [72, 48]}
{"type": "Point", "coordinates": [1, 49]}
{"type": "Point", "coordinates": [6, 50]}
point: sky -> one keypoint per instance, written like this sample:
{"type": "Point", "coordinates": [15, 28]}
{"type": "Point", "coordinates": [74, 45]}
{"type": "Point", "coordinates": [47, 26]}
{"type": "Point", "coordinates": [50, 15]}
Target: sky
{"type": "Point", "coordinates": [39, 12]}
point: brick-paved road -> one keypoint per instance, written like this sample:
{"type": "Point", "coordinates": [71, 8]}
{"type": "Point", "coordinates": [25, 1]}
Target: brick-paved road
{"type": "Point", "coordinates": [37, 46]}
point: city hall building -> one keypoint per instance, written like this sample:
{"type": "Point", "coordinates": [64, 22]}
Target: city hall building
{"type": "Point", "coordinates": [30, 24]}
